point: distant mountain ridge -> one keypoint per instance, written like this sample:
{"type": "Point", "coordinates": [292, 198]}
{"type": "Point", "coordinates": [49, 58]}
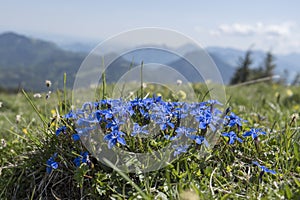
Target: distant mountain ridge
{"type": "Point", "coordinates": [27, 62]}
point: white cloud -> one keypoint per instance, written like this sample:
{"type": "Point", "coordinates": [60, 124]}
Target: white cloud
{"type": "Point", "coordinates": [283, 29]}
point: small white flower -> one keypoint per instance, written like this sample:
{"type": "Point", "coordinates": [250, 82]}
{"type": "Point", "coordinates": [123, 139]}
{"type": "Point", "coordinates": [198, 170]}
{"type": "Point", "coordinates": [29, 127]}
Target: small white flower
{"type": "Point", "coordinates": [48, 95]}
{"type": "Point", "coordinates": [48, 83]}
{"type": "Point", "coordinates": [1, 103]}
{"type": "Point", "coordinates": [179, 82]}
{"type": "Point", "coordinates": [18, 118]}
{"type": "Point", "coordinates": [144, 85]}
{"type": "Point", "coordinates": [3, 143]}
{"type": "Point", "coordinates": [37, 95]}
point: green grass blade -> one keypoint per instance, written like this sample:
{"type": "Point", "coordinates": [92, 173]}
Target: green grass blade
{"type": "Point", "coordinates": [126, 178]}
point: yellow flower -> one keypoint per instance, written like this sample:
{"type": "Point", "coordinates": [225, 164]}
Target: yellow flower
{"type": "Point", "coordinates": [228, 168]}
{"type": "Point", "coordinates": [25, 131]}
{"type": "Point", "coordinates": [53, 112]}
{"type": "Point", "coordinates": [181, 95]}
{"type": "Point", "coordinates": [289, 92]}
{"type": "Point", "coordinates": [296, 107]}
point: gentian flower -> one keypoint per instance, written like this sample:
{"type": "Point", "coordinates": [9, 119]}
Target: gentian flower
{"type": "Point", "coordinates": [70, 115]}
{"type": "Point", "coordinates": [199, 139]}
{"type": "Point", "coordinates": [263, 168]}
{"type": "Point", "coordinates": [233, 120]}
{"type": "Point", "coordinates": [51, 164]}
{"type": "Point", "coordinates": [164, 121]}
{"type": "Point", "coordinates": [254, 133]}
{"type": "Point", "coordinates": [232, 137]}
{"type": "Point", "coordinates": [204, 119]}
{"type": "Point", "coordinates": [61, 129]}
{"type": "Point", "coordinates": [76, 137]}
{"type": "Point", "coordinates": [139, 129]}
{"type": "Point", "coordinates": [214, 102]}
{"type": "Point", "coordinates": [180, 131]}
{"type": "Point", "coordinates": [114, 137]}
{"type": "Point", "coordinates": [84, 131]}
{"type": "Point", "coordinates": [83, 158]}
{"type": "Point", "coordinates": [180, 149]}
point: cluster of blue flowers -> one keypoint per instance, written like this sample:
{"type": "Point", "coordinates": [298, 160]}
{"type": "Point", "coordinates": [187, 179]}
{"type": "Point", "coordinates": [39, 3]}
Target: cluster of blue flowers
{"type": "Point", "coordinates": [170, 119]}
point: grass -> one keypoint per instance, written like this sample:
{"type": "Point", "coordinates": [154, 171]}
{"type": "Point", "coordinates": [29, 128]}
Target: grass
{"type": "Point", "coordinates": [226, 173]}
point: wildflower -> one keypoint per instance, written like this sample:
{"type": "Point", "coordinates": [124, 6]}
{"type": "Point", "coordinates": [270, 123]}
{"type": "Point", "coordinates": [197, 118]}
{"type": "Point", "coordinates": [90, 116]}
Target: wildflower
{"type": "Point", "coordinates": [144, 85]}
{"type": "Point", "coordinates": [83, 158]}
{"type": "Point", "coordinates": [37, 95]}
{"type": "Point", "coordinates": [254, 133]}
{"type": "Point", "coordinates": [204, 119]}
{"type": "Point", "coordinates": [214, 102]}
{"type": "Point", "coordinates": [51, 164]}
{"type": "Point", "coordinates": [70, 115]}
{"type": "Point", "coordinates": [61, 129]}
{"type": "Point", "coordinates": [180, 149]}
{"type": "Point", "coordinates": [18, 118]}
{"type": "Point", "coordinates": [164, 122]}
{"type": "Point", "coordinates": [233, 120]}
{"type": "Point", "coordinates": [3, 143]}
{"type": "Point", "coordinates": [1, 103]}
{"type": "Point", "coordinates": [181, 94]}
{"type": "Point", "coordinates": [179, 82]}
{"type": "Point", "coordinates": [199, 139]}
{"type": "Point", "coordinates": [114, 137]}
{"type": "Point", "coordinates": [138, 129]}
{"type": "Point", "coordinates": [289, 92]}
{"type": "Point", "coordinates": [84, 131]}
{"type": "Point", "coordinates": [48, 83]}
{"type": "Point", "coordinates": [48, 95]}
{"type": "Point", "coordinates": [263, 168]}
{"type": "Point", "coordinates": [232, 137]}
{"type": "Point", "coordinates": [76, 137]}
{"type": "Point", "coordinates": [180, 131]}
{"type": "Point", "coordinates": [24, 130]}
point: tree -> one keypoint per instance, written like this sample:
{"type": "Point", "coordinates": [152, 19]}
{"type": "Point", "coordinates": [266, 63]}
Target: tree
{"type": "Point", "coordinates": [296, 80]}
{"type": "Point", "coordinates": [243, 71]}
{"type": "Point", "coordinates": [269, 66]}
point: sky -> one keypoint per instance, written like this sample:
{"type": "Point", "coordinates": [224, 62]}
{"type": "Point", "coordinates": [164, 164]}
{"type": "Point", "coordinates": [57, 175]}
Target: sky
{"type": "Point", "coordinates": [261, 24]}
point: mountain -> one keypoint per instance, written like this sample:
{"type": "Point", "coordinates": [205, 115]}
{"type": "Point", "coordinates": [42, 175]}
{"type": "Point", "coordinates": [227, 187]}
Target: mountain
{"type": "Point", "coordinates": [284, 62]}
{"type": "Point", "coordinates": [27, 62]}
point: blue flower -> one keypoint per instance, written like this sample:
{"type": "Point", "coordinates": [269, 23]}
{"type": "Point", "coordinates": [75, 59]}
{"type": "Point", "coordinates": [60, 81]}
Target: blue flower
{"type": "Point", "coordinates": [163, 120]}
{"type": "Point", "coordinates": [233, 120]}
{"type": "Point", "coordinates": [76, 137]}
{"type": "Point", "coordinates": [199, 139]}
{"type": "Point", "coordinates": [84, 131]}
{"type": "Point", "coordinates": [263, 168]}
{"type": "Point", "coordinates": [86, 122]}
{"type": "Point", "coordinates": [214, 102]}
{"type": "Point", "coordinates": [70, 115]}
{"type": "Point", "coordinates": [51, 164]}
{"type": "Point", "coordinates": [232, 137]}
{"type": "Point", "coordinates": [61, 129]}
{"type": "Point", "coordinates": [180, 131]}
{"type": "Point", "coordinates": [204, 119]}
{"type": "Point", "coordinates": [202, 115]}
{"type": "Point", "coordinates": [254, 133]}
{"type": "Point", "coordinates": [180, 149]}
{"type": "Point", "coordinates": [139, 129]}
{"type": "Point", "coordinates": [114, 137]}
{"type": "Point", "coordinates": [83, 158]}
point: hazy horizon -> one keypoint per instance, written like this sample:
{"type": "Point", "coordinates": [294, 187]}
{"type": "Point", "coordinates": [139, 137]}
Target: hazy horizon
{"type": "Point", "coordinates": [268, 25]}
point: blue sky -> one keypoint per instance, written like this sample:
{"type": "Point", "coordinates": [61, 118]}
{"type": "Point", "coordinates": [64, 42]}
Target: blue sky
{"type": "Point", "coordinates": [266, 24]}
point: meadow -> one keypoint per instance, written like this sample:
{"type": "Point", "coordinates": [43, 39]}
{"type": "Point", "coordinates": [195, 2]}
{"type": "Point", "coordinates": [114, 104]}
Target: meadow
{"type": "Point", "coordinates": [30, 143]}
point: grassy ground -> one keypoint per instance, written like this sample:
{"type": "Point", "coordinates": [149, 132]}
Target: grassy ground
{"type": "Point", "coordinates": [227, 173]}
